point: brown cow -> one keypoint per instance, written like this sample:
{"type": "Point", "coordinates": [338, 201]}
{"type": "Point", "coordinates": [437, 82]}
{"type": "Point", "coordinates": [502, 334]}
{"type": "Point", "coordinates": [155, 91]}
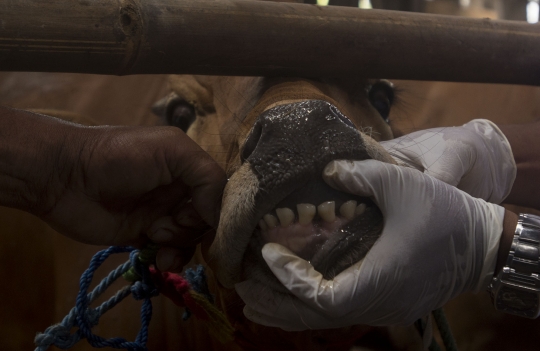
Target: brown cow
{"type": "Point", "coordinates": [298, 128]}
{"type": "Point", "coordinates": [419, 105]}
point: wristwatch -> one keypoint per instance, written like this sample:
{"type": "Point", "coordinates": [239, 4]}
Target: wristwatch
{"type": "Point", "coordinates": [516, 289]}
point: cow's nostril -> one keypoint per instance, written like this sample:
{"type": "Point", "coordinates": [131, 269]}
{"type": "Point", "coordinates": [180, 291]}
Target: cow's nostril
{"type": "Point", "coordinates": [339, 115]}
{"type": "Point", "coordinates": [251, 142]}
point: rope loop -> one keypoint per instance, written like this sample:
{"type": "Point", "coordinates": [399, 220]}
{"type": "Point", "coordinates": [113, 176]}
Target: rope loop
{"type": "Point", "coordinates": [141, 290]}
{"type": "Point", "coordinates": [84, 317]}
{"type": "Point", "coordinates": [192, 293]}
{"type": "Point", "coordinates": [58, 335]}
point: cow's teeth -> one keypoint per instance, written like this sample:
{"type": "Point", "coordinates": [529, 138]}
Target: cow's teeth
{"type": "Point", "coordinates": [327, 211]}
{"type": "Point", "coordinates": [285, 215]}
{"type": "Point", "coordinates": [360, 209]}
{"type": "Point", "coordinates": [270, 220]}
{"type": "Point", "coordinates": [347, 209]}
{"type": "Point", "coordinates": [306, 212]}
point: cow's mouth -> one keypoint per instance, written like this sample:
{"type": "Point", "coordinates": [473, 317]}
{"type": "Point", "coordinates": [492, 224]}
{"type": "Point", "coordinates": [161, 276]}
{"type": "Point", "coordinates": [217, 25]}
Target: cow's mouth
{"type": "Point", "coordinates": [331, 229]}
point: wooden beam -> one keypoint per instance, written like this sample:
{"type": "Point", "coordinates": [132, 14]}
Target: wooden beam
{"type": "Point", "coordinates": [237, 37]}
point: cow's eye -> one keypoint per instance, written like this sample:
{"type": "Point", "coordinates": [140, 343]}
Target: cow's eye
{"type": "Point", "coordinates": [181, 115]}
{"type": "Point", "coordinates": [381, 96]}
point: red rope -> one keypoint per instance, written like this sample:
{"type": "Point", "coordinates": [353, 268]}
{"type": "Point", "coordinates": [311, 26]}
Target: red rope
{"type": "Point", "coordinates": [177, 289]}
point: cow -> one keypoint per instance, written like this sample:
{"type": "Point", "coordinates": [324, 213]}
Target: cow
{"type": "Point", "coordinates": [274, 136]}
{"type": "Point", "coordinates": [417, 105]}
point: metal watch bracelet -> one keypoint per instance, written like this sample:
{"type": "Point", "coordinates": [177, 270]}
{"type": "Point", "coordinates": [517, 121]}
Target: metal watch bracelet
{"type": "Point", "coordinates": [516, 289]}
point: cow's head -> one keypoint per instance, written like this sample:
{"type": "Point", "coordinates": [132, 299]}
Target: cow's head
{"type": "Point", "coordinates": [274, 137]}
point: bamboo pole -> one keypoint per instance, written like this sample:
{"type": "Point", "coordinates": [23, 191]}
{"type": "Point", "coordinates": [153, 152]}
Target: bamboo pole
{"type": "Point", "coordinates": [238, 37]}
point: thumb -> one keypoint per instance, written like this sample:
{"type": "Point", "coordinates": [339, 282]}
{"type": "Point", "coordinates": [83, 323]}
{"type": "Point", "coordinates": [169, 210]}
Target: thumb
{"type": "Point", "coordinates": [196, 169]}
{"type": "Point", "coordinates": [333, 298]}
{"type": "Point", "coordinates": [299, 276]}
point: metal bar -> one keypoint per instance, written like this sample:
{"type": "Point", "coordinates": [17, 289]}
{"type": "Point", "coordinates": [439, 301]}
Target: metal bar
{"type": "Point", "coordinates": [238, 37]}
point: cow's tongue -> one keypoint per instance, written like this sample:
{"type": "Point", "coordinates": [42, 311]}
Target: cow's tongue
{"type": "Point", "coordinates": [304, 240]}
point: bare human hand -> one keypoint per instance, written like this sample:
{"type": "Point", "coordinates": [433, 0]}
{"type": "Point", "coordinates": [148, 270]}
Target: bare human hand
{"type": "Point", "coordinates": [112, 185]}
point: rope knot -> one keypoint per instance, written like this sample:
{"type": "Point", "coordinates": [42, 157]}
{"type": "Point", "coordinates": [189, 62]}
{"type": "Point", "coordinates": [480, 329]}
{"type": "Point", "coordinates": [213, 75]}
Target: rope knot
{"type": "Point", "coordinates": [141, 290]}
{"type": "Point", "coordinates": [58, 335]}
{"type": "Point", "coordinates": [92, 316]}
{"type": "Point", "coordinates": [197, 280]}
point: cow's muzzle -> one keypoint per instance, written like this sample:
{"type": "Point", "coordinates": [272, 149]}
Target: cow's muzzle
{"type": "Point", "coordinates": [278, 194]}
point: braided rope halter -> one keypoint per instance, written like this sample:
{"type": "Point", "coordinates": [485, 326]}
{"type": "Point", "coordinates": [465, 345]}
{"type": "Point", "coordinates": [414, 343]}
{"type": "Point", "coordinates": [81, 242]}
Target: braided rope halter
{"type": "Point", "coordinates": [190, 292]}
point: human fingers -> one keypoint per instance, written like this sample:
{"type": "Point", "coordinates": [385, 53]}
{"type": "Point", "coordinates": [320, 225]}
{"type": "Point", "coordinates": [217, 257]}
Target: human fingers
{"type": "Point", "coordinates": [494, 172]}
{"type": "Point", "coordinates": [187, 216]}
{"type": "Point", "coordinates": [291, 316]}
{"type": "Point", "coordinates": [270, 308]}
{"type": "Point", "coordinates": [166, 231]}
{"type": "Point", "coordinates": [267, 307]}
{"type": "Point", "coordinates": [328, 297]}
{"type": "Point", "coordinates": [187, 161]}
{"type": "Point", "coordinates": [264, 306]}
{"type": "Point", "coordinates": [169, 259]}
{"type": "Point", "coordinates": [270, 320]}
{"type": "Point", "coordinates": [437, 152]}
{"type": "Point", "coordinates": [404, 151]}
{"type": "Point", "coordinates": [389, 185]}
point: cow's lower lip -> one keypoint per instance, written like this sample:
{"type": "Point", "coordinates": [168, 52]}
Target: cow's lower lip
{"type": "Point", "coordinates": [356, 239]}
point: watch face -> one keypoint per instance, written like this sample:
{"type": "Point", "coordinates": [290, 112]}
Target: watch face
{"type": "Point", "coordinates": [518, 300]}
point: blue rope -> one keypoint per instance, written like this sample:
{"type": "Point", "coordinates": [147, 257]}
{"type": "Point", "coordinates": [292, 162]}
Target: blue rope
{"type": "Point", "coordinates": [84, 317]}
{"type": "Point", "coordinates": [197, 280]}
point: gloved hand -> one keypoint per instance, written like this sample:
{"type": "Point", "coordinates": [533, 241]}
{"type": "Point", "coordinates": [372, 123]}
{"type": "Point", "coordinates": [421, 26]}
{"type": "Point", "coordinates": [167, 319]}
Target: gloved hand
{"type": "Point", "coordinates": [437, 242]}
{"type": "Point", "coordinates": [475, 157]}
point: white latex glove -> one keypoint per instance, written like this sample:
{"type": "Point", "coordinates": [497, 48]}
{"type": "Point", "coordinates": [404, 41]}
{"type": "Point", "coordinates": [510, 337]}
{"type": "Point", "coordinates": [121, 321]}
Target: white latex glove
{"type": "Point", "coordinates": [434, 246]}
{"type": "Point", "coordinates": [475, 157]}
